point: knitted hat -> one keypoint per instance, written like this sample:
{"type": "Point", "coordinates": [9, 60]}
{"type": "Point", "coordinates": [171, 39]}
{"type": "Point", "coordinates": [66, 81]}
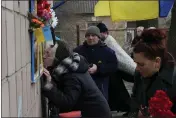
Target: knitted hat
{"type": "Point", "coordinates": [93, 30]}
{"type": "Point", "coordinates": [102, 27]}
{"type": "Point", "coordinates": [63, 51]}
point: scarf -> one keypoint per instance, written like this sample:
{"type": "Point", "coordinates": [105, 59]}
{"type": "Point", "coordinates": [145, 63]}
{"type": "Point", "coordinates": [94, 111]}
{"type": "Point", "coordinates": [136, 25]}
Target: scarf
{"type": "Point", "coordinates": [69, 64]}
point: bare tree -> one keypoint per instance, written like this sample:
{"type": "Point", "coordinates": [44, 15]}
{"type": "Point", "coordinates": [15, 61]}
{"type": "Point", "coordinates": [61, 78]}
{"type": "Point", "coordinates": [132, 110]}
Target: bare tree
{"type": "Point", "coordinates": [172, 33]}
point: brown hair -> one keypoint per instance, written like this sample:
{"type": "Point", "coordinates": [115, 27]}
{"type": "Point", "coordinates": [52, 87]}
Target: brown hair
{"type": "Point", "coordinates": [153, 44]}
{"type": "Point", "coordinates": [62, 51]}
{"type": "Point", "coordinates": [135, 41]}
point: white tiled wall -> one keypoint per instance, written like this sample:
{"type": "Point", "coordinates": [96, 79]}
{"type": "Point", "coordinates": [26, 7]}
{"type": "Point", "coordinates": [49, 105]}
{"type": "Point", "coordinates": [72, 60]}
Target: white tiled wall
{"type": "Point", "coordinates": [16, 63]}
{"type": "Point", "coordinates": [4, 46]}
{"type": "Point", "coordinates": [5, 100]}
{"type": "Point", "coordinates": [16, 5]}
{"type": "Point", "coordinates": [23, 43]}
{"type": "Point", "coordinates": [3, 3]}
{"type": "Point", "coordinates": [9, 5]}
{"type": "Point", "coordinates": [10, 41]}
{"type": "Point", "coordinates": [13, 96]}
{"type": "Point", "coordinates": [17, 42]}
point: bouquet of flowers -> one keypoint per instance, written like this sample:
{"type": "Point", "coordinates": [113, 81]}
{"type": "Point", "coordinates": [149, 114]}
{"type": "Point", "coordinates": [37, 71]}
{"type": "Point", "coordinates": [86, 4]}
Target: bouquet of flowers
{"type": "Point", "coordinates": [35, 22]}
{"type": "Point", "coordinates": [160, 105]}
{"type": "Point", "coordinates": [43, 10]}
{"type": "Point", "coordinates": [45, 16]}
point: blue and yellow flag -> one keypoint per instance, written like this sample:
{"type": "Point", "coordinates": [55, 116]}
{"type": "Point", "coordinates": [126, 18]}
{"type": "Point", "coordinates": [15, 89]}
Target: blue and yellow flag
{"type": "Point", "coordinates": [102, 8]}
{"type": "Point", "coordinates": [132, 10]}
{"type": "Point", "coordinates": [165, 7]}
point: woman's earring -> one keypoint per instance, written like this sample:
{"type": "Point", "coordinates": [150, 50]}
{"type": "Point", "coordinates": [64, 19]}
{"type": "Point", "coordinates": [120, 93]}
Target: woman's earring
{"type": "Point", "coordinates": [157, 68]}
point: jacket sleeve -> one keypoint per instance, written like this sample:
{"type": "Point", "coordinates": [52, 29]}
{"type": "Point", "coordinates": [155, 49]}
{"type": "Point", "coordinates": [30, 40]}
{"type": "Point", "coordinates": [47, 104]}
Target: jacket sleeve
{"type": "Point", "coordinates": [125, 76]}
{"type": "Point", "coordinates": [125, 62]}
{"type": "Point", "coordinates": [67, 98]}
{"type": "Point", "coordinates": [134, 102]}
{"type": "Point", "coordinates": [109, 66]}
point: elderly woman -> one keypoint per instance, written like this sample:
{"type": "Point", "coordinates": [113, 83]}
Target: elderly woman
{"type": "Point", "coordinates": [69, 86]}
{"type": "Point", "coordinates": [139, 31]}
{"type": "Point", "coordinates": [136, 39]}
{"type": "Point", "coordinates": [155, 71]}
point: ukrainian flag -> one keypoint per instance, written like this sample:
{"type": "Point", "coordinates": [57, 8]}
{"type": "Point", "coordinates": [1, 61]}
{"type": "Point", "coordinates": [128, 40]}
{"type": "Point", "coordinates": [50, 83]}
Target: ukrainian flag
{"type": "Point", "coordinates": [133, 10]}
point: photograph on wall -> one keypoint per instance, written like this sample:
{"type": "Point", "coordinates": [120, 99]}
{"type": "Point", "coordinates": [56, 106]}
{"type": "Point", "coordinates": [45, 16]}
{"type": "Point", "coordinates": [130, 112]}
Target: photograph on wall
{"type": "Point", "coordinates": [43, 20]}
{"type": "Point", "coordinates": [38, 62]}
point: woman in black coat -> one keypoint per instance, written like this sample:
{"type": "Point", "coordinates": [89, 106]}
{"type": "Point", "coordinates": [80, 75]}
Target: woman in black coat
{"type": "Point", "coordinates": [155, 71]}
{"type": "Point", "coordinates": [70, 86]}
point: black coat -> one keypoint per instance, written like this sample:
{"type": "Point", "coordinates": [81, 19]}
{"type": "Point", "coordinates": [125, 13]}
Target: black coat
{"type": "Point", "coordinates": [119, 98]}
{"type": "Point", "coordinates": [78, 91]}
{"type": "Point", "coordinates": [106, 62]}
{"type": "Point", "coordinates": [165, 80]}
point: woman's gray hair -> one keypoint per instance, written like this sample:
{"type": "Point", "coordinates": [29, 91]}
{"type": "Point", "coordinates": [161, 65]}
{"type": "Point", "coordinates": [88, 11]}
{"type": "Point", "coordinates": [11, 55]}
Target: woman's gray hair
{"type": "Point", "coordinates": [49, 44]}
{"type": "Point", "coordinates": [140, 28]}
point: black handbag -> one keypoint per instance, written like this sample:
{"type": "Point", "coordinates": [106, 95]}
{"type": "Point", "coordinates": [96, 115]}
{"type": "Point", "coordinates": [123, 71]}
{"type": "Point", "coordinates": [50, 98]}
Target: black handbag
{"type": "Point", "coordinates": [53, 112]}
{"type": "Point", "coordinates": [48, 108]}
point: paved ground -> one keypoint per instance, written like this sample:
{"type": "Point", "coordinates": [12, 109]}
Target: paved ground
{"type": "Point", "coordinates": [119, 114]}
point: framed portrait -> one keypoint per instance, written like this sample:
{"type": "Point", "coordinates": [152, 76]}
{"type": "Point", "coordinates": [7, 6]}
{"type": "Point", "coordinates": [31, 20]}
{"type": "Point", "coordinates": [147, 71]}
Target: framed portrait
{"type": "Point", "coordinates": [38, 60]}
{"type": "Point", "coordinates": [37, 48]}
{"type": "Point", "coordinates": [40, 33]}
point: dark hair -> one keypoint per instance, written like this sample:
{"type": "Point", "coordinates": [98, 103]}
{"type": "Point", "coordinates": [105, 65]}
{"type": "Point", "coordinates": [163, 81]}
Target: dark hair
{"type": "Point", "coordinates": [153, 44]}
{"type": "Point", "coordinates": [102, 27]}
{"type": "Point", "coordinates": [63, 51]}
{"type": "Point", "coordinates": [135, 41]}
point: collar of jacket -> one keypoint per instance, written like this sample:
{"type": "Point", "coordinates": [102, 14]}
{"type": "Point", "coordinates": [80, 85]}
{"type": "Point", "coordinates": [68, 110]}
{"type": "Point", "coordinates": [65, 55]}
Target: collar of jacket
{"type": "Point", "coordinates": [99, 44]}
{"type": "Point", "coordinates": [166, 74]}
{"type": "Point", "coordinates": [163, 80]}
{"type": "Point", "coordinates": [168, 71]}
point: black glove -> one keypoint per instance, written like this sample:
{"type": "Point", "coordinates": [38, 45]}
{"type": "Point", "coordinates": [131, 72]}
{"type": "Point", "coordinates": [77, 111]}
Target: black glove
{"type": "Point", "coordinates": [133, 115]}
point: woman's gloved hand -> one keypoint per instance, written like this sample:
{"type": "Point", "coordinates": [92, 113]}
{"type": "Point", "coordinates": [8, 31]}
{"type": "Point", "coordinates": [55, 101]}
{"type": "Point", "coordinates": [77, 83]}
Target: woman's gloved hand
{"type": "Point", "coordinates": [133, 115]}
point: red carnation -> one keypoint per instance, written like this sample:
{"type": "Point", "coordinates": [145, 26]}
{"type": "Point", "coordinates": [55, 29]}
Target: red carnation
{"type": "Point", "coordinates": [160, 105]}
{"type": "Point", "coordinates": [160, 94]}
{"type": "Point", "coordinates": [46, 5]}
{"type": "Point", "coordinates": [43, 9]}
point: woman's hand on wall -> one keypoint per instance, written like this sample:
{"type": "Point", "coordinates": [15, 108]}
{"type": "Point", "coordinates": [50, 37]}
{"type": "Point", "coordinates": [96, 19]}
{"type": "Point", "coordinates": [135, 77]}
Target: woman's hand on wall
{"type": "Point", "coordinates": [47, 74]}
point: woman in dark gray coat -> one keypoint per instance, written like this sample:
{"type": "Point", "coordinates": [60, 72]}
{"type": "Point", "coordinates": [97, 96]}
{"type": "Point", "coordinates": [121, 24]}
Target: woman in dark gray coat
{"type": "Point", "coordinates": [155, 71]}
{"type": "Point", "coordinates": [70, 86]}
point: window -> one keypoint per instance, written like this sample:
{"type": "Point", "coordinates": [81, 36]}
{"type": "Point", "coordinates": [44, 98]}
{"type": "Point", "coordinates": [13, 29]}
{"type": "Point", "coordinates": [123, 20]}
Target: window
{"type": "Point", "coordinates": [93, 23]}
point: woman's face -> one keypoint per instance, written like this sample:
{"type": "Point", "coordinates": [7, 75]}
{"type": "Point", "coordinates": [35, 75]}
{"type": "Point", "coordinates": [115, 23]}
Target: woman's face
{"type": "Point", "coordinates": [145, 66]}
{"type": "Point", "coordinates": [139, 32]}
{"type": "Point", "coordinates": [49, 55]}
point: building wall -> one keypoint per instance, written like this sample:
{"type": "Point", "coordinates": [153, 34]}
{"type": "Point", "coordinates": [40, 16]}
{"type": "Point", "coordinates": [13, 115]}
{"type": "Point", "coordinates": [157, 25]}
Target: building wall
{"type": "Point", "coordinates": [80, 13]}
{"type": "Point", "coordinates": [112, 26]}
{"type": "Point", "coordinates": [68, 21]}
{"type": "Point", "coordinates": [19, 96]}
